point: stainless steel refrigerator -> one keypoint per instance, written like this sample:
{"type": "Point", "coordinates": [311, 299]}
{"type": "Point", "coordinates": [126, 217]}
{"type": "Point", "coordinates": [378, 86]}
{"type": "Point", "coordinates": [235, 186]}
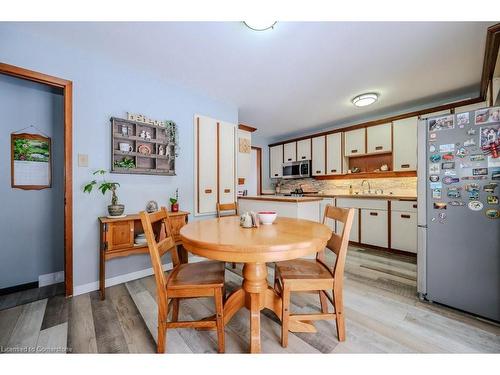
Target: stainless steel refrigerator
{"type": "Point", "coordinates": [458, 211]}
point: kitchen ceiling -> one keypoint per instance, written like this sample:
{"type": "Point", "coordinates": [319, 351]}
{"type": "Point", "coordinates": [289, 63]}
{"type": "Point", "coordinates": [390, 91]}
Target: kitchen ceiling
{"type": "Point", "coordinates": [299, 76]}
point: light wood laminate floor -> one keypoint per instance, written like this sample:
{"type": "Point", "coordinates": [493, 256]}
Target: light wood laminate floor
{"type": "Point", "coordinates": [383, 315]}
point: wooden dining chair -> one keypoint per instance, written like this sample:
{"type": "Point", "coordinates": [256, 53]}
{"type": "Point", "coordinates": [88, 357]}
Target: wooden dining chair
{"type": "Point", "coordinates": [201, 279]}
{"type": "Point", "coordinates": [316, 275]}
{"type": "Point", "coordinates": [227, 209]}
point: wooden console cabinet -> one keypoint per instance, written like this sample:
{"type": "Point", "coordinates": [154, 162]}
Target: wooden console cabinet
{"type": "Point", "coordinates": [117, 239]}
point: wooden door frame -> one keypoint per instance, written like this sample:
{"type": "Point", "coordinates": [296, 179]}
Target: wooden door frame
{"type": "Point", "coordinates": [259, 169]}
{"type": "Point", "coordinates": [67, 87]}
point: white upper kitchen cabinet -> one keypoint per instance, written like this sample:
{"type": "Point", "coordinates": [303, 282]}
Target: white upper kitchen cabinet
{"type": "Point", "coordinates": [379, 138]}
{"type": "Point", "coordinates": [405, 144]}
{"type": "Point", "coordinates": [318, 156]}
{"type": "Point", "coordinates": [290, 152]}
{"type": "Point", "coordinates": [206, 162]}
{"type": "Point", "coordinates": [226, 160]}
{"type": "Point", "coordinates": [355, 142]}
{"type": "Point", "coordinates": [304, 149]}
{"type": "Point", "coordinates": [334, 153]}
{"type": "Point", "coordinates": [276, 161]}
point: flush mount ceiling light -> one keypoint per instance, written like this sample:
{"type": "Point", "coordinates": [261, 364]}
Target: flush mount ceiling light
{"type": "Point", "coordinates": [365, 99]}
{"type": "Point", "coordinates": [260, 25]}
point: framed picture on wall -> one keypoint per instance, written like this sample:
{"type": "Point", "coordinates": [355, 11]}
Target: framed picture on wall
{"type": "Point", "coordinates": [31, 161]}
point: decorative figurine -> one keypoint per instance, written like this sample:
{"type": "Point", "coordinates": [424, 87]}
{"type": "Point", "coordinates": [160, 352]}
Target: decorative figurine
{"type": "Point", "coordinates": [161, 150]}
{"type": "Point", "coordinates": [148, 135]}
{"type": "Point", "coordinates": [143, 134]}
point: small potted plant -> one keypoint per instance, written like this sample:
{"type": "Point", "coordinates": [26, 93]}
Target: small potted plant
{"type": "Point", "coordinates": [174, 205]}
{"type": "Point", "coordinates": [114, 208]}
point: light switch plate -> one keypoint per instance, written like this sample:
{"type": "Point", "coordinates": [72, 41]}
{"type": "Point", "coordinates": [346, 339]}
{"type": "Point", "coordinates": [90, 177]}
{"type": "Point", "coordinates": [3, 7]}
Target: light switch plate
{"type": "Point", "coordinates": [83, 160]}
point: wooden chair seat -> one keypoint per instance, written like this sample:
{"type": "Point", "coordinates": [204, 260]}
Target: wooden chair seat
{"type": "Point", "coordinates": [302, 275]}
{"type": "Point", "coordinates": [202, 274]}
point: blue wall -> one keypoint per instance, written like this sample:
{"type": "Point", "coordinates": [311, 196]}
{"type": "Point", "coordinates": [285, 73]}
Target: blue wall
{"type": "Point", "coordinates": [31, 235]}
{"type": "Point", "coordinates": [105, 88]}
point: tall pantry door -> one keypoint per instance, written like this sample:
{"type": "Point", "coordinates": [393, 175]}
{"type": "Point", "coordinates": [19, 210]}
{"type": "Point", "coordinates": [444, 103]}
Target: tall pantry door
{"type": "Point", "coordinates": [226, 163]}
{"type": "Point", "coordinates": [206, 143]}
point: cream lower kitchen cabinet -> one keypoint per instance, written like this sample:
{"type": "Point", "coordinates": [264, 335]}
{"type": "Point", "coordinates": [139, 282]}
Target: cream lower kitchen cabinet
{"type": "Point", "coordinates": [355, 142]}
{"type": "Point", "coordinates": [404, 226]}
{"type": "Point", "coordinates": [290, 152]}
{"type": "Point", "coordinates": [304, 149]}
{"type": "Point", "coordinates": [226, 162]}
{"type": "Point", "coordinates": [405, 144]}
{"type": "Point", "coordinates": [374, 227]}
{"type": "Point", "coordinates": [349, 203]}
{"type": "Point", "coordinates": [378, 138]}
{"type": "Point", "coordinates": [206, 164]}
{"type": "Point", "coordinates": [318, 156]}
{"type": "Point", "coordinates": [215, 164]}
{"type": "Point", "coordinates": [276, 161]}
{"type": "Point", "coordinates": [334, 153]}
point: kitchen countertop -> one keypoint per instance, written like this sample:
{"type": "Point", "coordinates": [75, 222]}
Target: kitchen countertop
{"type": "Point", "coordinates": [365, 196]}
{"type": "Point", "coordinates": [278, 198]}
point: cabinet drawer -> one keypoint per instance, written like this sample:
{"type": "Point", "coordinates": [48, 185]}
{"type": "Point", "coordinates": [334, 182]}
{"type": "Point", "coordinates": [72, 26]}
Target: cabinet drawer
{"type": "Point", "coordinates": [405, 206]}
{"type": "Point", "coordinates": [374, 204]}
{"type": "Point", "coordinates": [404, 231]}
{"type": "Point", "coordinates": [374, 228]}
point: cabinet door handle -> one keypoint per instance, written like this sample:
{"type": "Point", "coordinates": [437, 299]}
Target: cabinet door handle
{"type": "Point", "coordinates": [289, 159]}
{"type": "Point", "coordinates": [276, 175]}
{"type": "Point", "coordinates": [208, 191]}
{"type": "Point", "coordinates": [354, 151]}
{"type": "Point", "coordinates": [333, 170]}
{"type": "Point", "coordinates": [405, 216]}
{"type": "Point", "coordinates": [227, 190]}
{"type": "Point", "coordinates": [318, 171]}
{"type": "Point", "coordinates": [374, 213]}
{"type": "Point", "coordinates": [405, 165]}
{"type": "Point", "coordinates": [379, 148]}
{"type": "Point", "coordinates": [414, 206]}
{"type": "Point", "coordinates": [303, 157]}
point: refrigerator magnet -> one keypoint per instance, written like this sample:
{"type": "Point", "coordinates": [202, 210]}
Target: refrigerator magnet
{"type": "Point", "coordinates": [450, 172]}
{"type": "Point", "coordinates": [492, 199]}
{"type": "Point", "coordinates": [448, 156]}
{"type": "Point", "coordinates": [473, 195]}
{"type": "Point", "coordinates": [434, 158]}
{"type": "Point", "coordinates": [495, 173]}
{"type": "Point", "coordinates": [448, 165]}
{"type": "Point", "coordinates": [435, 185]}
{"type": "Point", "coordinates": [463, 118]}
{"type": "Point", "coordinates": [469, 142]}
{"type": "Point", "coordinates": [471, 131]}
{"type": "Point", "coordinates": [479, 171]}
{"type": "Point", "coordinates": [490, 188]}
{"type": "Point", "coordinates": [439, 205]}
{"type": "Point", "coordinates": [432, 148]}
{"type": "Point", "coordinates": [453, 193]}
{"type": "Point", "coordinates": [475, 205]}
{"type": "Point", "coordinates": [436, 194]}
{"type": "Point", "coordinates": [449, 147]}
{"type": "Point", "coordinates": [450, 180]}
{"type": "Point", "coordinates": [492, 213]}
{"type": "Point", "coordinates": [456, 203]}
{"type": "Point", "coordinates": [434, 168]}
{"type": "Point", "coordinates": [462, 152]}
{"type": "Point", "coordinates": [434, 178]}
{"type": "Point", "coordinates": [442, 123]}
{"type": "Point", "coordinates": [476, 157]}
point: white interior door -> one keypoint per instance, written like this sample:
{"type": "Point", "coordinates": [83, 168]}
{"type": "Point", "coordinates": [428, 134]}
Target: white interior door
{"type": "Point", "coordinates": [226, 162]}
{"type": "Point", "coordinates": [206, 164]}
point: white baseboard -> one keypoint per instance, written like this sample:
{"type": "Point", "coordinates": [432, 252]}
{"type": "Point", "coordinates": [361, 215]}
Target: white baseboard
{"type": "Point", "coordinates": [50, 278]}
{"type": "Point", "coordinates": [90, 287]}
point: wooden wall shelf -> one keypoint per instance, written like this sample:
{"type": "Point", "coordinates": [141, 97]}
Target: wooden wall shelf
{"type": "Point", "coordinates": [150, 164]}
{"type": "Point", "coordinates": [388, 174]}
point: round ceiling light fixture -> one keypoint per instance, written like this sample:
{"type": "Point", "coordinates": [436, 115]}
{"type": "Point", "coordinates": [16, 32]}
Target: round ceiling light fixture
{"type": "Point", "coordinates": [260, 25]}
{"type": "Point", "coordinates": [365, 99]}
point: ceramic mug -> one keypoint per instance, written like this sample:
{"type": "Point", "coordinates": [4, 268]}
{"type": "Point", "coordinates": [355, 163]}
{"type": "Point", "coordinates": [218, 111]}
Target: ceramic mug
{"type": "Point", "coordinates": [125, 147]}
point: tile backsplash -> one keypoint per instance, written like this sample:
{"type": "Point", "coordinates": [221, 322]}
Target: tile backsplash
{"type": "Point", "coordinates": [406, 186]}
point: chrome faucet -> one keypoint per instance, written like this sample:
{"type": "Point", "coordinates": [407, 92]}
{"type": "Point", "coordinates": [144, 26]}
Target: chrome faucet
{"type": "Point", "coordinates": [362, 186]}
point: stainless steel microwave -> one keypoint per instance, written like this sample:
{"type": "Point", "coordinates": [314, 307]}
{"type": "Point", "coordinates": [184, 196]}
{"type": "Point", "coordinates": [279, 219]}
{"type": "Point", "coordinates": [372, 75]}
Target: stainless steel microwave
{"type": "Point", "coordinates": [297, 169]}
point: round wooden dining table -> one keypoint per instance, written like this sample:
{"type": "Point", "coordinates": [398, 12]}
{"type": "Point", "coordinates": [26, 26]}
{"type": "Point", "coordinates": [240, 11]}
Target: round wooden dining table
{"type": "Point", "coordinates": [225, 240]}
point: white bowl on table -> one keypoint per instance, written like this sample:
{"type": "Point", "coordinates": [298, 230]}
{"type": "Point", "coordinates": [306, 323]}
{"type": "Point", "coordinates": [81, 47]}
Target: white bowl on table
{"type": "Point", "coordinates": [267, 217]}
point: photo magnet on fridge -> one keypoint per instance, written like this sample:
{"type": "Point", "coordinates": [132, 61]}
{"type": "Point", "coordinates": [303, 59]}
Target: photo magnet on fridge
{"type": "Point", "coordinates": [495, 173]}
{"type": "Point", "coordinates": [490, 188]}
{"type": "Point", "coordinates": [476, 157]}
{"type": "Point", "coordinates": [436, 194]}
{"type": "Point", "coordinates": [439, 205]}
{"type": "Point", "coordinates": [463, 118]}
{"type": "Point", "coordinates": [448, 165]}
{"type": "Point", "coordinates": [436, 185]}
{"type": "Point", "coordinates": [442, 123]}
